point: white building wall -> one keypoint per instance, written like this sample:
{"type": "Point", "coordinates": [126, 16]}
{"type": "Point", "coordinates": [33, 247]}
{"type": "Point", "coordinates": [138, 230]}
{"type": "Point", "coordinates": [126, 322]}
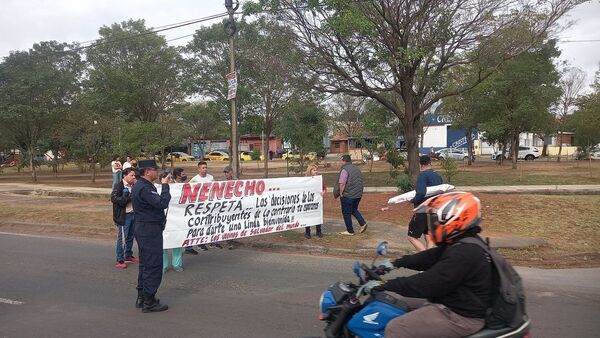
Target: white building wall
{"type": "Point", "coordinates": [435, 136]}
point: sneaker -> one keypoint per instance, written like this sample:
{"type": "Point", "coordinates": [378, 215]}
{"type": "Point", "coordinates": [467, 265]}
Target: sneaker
{"type": "Point", "coordinates": [121, 265]}
{"type": "Point", "coordinates": [320, 234]}
{"type": "Point", "coordinates": [346, 233]}
{"type": "Point", "coordinates": [203, 247]}
{"type": "Point", "coordinates": [132, 260]}
{"type": "Point", "coordinates": [191, 251]}
{"type": "Point", "coordinates": [217, 245]}
{"type": "Point", "coordinates": [230, 245]}
{"type": "Point", "coordinates": [307, 235]}
{"type": "Point", "coordinates": [363, 228]}
{"type": "Point", "coordinates": [178, 269]}
{"type": "Point", "coordinates": [165, 270]}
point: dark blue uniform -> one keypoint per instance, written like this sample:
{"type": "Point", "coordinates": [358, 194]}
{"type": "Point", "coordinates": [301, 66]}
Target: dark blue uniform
{"type": "Point", "coordinates": [149, 208]}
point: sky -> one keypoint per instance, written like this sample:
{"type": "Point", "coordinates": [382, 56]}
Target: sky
{"type": "Point", "coordinates": [25, 22]}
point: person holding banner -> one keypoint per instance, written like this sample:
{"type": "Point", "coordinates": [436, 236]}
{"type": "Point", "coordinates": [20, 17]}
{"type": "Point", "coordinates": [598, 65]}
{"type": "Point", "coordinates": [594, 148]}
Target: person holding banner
{"type": "Point", "coordinates": [202, 177]}
{"type": "Point", "coordinates": [228, 171]}
{"type": "Point", "coordinates": [150, 219]}
{"type": "Point", "coordinates": [176, 253]}
{"type": "Point", "coordinates": [349, 189]}
{"type": "Point", "coordinates": [313, 171]}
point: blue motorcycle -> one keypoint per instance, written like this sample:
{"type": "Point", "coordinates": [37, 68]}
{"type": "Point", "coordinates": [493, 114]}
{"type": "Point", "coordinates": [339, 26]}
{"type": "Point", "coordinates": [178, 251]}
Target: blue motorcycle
{"type": "Point", "coordinates": [350, 312]}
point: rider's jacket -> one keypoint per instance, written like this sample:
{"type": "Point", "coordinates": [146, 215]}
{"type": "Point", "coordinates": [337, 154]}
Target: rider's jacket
{"type": "Point", "coordinates": [458, 276]}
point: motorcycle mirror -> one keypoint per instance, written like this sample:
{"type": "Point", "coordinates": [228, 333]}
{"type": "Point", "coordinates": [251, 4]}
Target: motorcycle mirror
{"type": "Point", "coordinates": [382, 248]}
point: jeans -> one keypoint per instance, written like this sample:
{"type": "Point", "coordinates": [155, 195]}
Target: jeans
{"type": "Point", "coordinates": [349, 209]}
{"type": "Point", "coordinates": [116, 178]}
{"type": "Point", "coordinates": [125, 238]}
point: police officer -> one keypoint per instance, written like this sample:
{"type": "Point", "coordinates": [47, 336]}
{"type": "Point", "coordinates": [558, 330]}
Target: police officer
{"type": "Point", "coordinates": [149, 208]}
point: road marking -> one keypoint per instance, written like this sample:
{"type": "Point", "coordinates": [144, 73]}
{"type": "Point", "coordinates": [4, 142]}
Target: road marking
{"type": "Point", "coordinates": [11, 302]}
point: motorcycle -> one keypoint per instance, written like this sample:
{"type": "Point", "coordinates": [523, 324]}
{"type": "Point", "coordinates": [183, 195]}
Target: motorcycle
{"type": "Point", "coordinates": [349, 311]}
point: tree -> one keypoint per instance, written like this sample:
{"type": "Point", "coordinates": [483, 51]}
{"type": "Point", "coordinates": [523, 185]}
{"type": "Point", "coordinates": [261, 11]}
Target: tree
{"type": "Point", "coordinates": [519, 97]}
{"type": "Point", "coordinates": [346, 115]}
{"type": "Point", "coordinates": [133, 73]}
{"type": "Point", "coordinates": [405, 47]}
{"type": "Point", "coordinates": [585, 121]}
{"type": "Point", "coordinates": [304, 124]}
{"type": "Point", "coordinates": [378, 130]}
{"type": "Point", "coordinates": [571, 81]}
{"type": "Point", "coordinates": [36, 88]}
{"type": "Point", "coordinates": [203, 121]}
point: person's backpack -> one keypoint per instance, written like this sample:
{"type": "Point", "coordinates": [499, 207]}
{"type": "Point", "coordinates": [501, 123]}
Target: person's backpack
{"type": "Point", "coordinates": [508, 296]}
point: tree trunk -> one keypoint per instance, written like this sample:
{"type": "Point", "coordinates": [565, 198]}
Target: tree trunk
{"type": "Point", "coordinates": [468, 133]}
{"type": "Point", "coordinates": [559, 146]}
{"type": "Point", "coordinates": [33, 172]}
{"type": "Point", "coordinates": [515, 149]}
{"type": "Point", "coordinates": [412, 147]}
{"type": "Point", "coordinates": [266, 152]}
{"type": "Point", "coordinates": [93, 165]}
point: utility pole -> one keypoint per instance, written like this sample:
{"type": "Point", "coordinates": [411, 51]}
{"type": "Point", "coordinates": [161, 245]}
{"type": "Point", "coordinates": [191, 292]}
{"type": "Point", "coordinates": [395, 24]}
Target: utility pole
{"type": "Point", "coordinates": [232, 78]}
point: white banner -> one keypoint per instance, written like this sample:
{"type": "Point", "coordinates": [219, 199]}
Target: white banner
{"type": "Point", "coordinates": [217, 211]}
{"type": "Point", "coordinates": [433, 190]}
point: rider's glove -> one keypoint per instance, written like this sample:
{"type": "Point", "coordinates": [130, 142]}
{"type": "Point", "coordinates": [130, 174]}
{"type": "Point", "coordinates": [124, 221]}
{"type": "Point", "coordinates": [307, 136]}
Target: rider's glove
{"type": "Point", "coordinates": [387, 265]}
{"type": "Point", "coordinates": [373, 286]}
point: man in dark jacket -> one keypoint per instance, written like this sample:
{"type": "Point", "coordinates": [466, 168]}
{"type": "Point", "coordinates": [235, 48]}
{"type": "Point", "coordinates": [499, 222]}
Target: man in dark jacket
{"type": "Point", "coordinates": [123, 218]}
{"type": "Point", "coordinates": [417, 225]}
{"type": "Point", "coordinates": [449, 298]}
{"type": "Point", "coordinates": [349, 188]}
{"type": "Point", "coordinates": [150, 219]}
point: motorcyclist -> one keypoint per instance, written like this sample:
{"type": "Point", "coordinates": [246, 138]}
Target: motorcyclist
{"type": "Point", "coordinates": [449, 298]}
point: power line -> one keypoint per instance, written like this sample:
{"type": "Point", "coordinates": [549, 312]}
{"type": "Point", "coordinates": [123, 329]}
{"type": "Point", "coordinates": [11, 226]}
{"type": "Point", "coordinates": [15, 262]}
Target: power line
{"type": "Point", "coordinates": [568, 41]}
{"type": "Point", "coordinates": [164, 28]}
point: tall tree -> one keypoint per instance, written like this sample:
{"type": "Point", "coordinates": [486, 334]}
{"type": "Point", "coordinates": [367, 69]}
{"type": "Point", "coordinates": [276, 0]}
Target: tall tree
{"type": "Point", "coordinates": [519, 97]}
{"type": "Point", "coordinates": [585, 121]}
{"type": "Point", "coordinates": [571, 82]}
{"type": "Point", "coordinates": [406, 47]}
{"type": "Point", "coordinates": [346, 113]}
{"type": "Point", "coordinates": [133, 73]}
{"type": "Point", "coordinates": [36, 88]}
{"type": "Point", "coordinates": [304, 124]}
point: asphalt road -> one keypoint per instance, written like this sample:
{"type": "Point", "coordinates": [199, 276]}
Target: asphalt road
{"type": "Point", "coordinates": [69, 288]}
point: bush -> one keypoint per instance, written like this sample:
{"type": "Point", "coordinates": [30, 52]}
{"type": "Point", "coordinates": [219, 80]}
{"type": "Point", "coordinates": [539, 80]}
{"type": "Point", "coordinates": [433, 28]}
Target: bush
{"type": "Point", "coordinates": [255, 155]}
{"type": "Point", "coordinates": [450, 168]}
{"type": "Point", "coordinates": [403, 182]}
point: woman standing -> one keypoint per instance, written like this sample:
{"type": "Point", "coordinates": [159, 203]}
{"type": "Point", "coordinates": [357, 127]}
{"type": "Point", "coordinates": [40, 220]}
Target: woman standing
{"type": "Point", "coordinates": [313, 171]}
{"type": "Point", "coordinates": [178, 176]}
{"type": "Point", "coordinates": [116, 167]}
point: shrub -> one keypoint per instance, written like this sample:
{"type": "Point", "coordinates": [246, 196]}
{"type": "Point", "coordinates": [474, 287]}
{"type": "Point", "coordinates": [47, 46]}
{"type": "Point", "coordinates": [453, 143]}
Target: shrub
{"type": "Point", "coordinates": [255, 155]}
{"type": "Point", "coordinates": [450, 168]}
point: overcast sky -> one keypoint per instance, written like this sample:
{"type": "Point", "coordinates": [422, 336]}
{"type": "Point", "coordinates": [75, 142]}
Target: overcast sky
{"type": "Point", "coordinates": [25, 22]}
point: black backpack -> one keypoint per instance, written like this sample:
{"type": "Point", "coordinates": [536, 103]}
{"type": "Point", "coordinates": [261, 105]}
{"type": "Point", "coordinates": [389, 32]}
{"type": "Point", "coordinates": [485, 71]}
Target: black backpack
{"type": "Point", "coordinates": [508, 296]}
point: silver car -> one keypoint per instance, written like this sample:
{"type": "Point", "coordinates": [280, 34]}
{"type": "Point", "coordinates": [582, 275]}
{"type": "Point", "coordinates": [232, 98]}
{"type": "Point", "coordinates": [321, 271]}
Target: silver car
{"type": "Point", "coordinates": [453, 153]}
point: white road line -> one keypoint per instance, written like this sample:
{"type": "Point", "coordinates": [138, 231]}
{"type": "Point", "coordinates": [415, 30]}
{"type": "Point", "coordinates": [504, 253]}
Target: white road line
{"type": "Point", "coordinates": [11, 302]}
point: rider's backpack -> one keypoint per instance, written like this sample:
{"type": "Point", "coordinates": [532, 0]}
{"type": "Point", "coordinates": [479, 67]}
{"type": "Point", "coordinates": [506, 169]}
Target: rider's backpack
{"type": "Point", "coordinates": [508, 296]}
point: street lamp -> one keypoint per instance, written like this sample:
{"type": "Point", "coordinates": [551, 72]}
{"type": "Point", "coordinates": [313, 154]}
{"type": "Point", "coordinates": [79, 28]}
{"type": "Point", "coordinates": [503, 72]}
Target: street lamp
{"type": "Point", "coordinates": [230, 29]}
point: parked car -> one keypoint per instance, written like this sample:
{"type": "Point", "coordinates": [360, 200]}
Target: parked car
{"type": "Point", "coordinates": [525, 153]}
{"type": "Point", "coordinates": [453, 153]}
{"type": "Point", "coordinates": [295, 154]}
{"type": "Point", "coordinates": [247, 156]}
{"type": "Point", "coordinates": [217, 156]}
{"type": "Point", "coordinates": [179, 156]}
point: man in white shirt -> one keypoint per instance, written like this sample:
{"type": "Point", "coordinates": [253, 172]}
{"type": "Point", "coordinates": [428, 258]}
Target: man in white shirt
{"type": "Point", "coordinates": [202, 177]}
{"type": "Point", "coordinates": [127, 163]}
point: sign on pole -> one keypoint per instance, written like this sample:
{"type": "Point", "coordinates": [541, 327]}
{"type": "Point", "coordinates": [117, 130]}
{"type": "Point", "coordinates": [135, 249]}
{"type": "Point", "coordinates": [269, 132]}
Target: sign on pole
{"type": "Point", "coordinates": [231, 85]}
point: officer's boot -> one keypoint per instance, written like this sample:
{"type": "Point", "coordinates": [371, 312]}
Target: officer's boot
{"type": "Point", "coordinates": [151, 304]}
{"type": "Point", "coordinates": [139, 302]}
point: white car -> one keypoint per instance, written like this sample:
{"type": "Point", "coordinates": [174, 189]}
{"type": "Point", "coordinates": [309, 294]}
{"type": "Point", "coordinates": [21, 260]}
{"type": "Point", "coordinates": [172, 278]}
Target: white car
{"type": "Point", "coordinates": [452, 153]}
{"type": "Point", "coordinates": [525, 153]}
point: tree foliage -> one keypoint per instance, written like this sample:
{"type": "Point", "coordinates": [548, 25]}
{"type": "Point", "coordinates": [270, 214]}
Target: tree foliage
{"type": "Point", "coordinates": [37, 87]}
{"type": "Point", "coordinates": [401, 52]}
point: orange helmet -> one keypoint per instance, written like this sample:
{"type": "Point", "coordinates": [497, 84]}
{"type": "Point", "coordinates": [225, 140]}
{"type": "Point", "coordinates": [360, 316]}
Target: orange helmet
{"type": "Point", "coordinates": [450, 215]}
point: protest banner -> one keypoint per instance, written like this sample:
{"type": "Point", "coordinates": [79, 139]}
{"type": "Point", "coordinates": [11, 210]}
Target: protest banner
{"type": "Point", "coordinates": [433, 190]}
{"type": "Point", "coordinates": [210, 212]}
